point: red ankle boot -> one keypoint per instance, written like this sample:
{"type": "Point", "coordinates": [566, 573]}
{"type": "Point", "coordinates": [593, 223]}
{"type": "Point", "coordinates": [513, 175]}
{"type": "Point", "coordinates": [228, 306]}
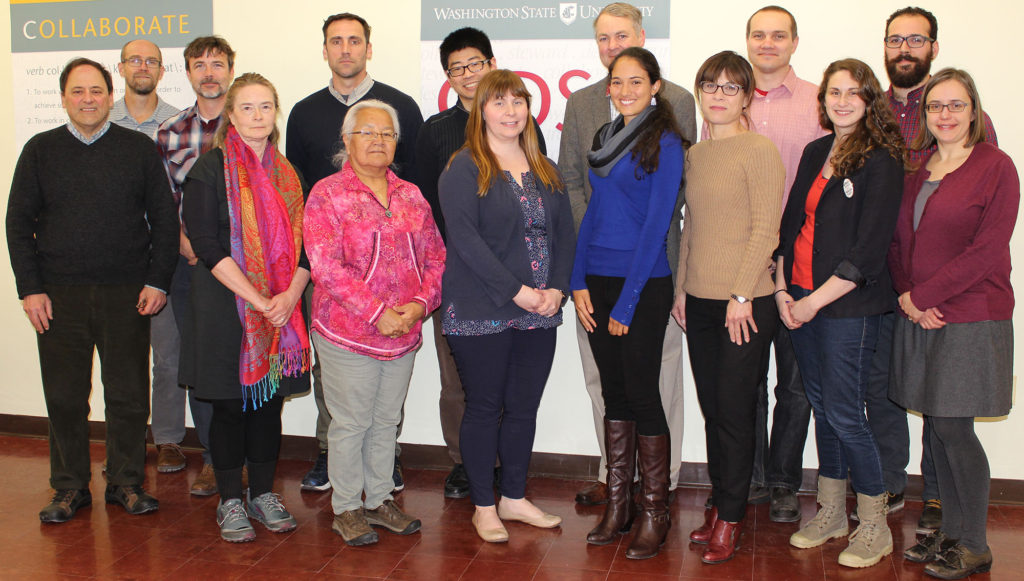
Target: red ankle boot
{"type": "Point", "coordinates": [702, 535]}
{"type": "Point", "coordinates": [724, 540]}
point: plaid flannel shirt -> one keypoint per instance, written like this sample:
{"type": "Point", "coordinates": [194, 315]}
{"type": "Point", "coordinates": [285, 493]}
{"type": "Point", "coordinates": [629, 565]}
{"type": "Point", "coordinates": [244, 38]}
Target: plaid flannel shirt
{"type": "Point", "coordinates": [181, 140]}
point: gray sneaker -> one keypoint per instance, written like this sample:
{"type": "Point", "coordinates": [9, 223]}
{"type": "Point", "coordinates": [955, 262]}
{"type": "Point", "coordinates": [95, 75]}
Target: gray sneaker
{"type": "Point", "coordinates": [268, 510]}
{"type": "Point", "coordinates": [234, 523]}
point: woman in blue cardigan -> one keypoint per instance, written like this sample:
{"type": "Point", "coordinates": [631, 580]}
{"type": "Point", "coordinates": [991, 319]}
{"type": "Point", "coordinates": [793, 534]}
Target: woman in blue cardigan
{"type": "Point", "coordinates": [622, 289]}
{"type": "Point", "coordinates": [510, 244]}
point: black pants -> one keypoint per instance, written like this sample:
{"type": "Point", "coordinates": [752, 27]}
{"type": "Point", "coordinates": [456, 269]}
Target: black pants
{"type": "Point", "coordinates": [630, 365]}
{"type": "Point", "coordinates": [101, 318]}
{"type": "Point", "coordinates": [504, 376]}
{"type": "Point", "coordinates": [963, 478]}
{"type": "Point", "coordinates": [727, 377]}
{"type": "Point", "coordinates": [250, 437]}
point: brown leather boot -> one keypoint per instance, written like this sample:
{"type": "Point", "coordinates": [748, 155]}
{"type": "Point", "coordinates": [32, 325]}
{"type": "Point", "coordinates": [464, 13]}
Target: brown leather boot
{"type": "Point", "coordinates": [653, 458]}
{"type": "Point", "coordinates": [620, 444]}
{"type": "Point", "coordinates": [702, 535]}
{"type": "Point", "coordinates": [725, 538]}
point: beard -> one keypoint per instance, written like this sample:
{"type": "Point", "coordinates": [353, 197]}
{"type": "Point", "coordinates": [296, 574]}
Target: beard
{"type": "Point", "coordinates": [911, 78]}
{"type": "Point", "coordinates": [143, 88]}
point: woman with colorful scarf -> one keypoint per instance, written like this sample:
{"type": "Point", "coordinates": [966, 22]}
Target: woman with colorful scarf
{"type": "Point", "coordinates": [245, 346]}
{"type": "Point", "coordinates": [622, 289]}
{"type": "Point", "coordinates": [377, 260]}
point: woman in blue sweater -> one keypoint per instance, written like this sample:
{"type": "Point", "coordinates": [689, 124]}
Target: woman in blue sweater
{"type": "Point", "coordinates": [622, 288]}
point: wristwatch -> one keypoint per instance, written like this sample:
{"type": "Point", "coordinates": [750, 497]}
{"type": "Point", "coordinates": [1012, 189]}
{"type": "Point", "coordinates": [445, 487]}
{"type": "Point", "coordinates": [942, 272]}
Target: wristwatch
{"type": "Point", "coordinates": [739, 299]}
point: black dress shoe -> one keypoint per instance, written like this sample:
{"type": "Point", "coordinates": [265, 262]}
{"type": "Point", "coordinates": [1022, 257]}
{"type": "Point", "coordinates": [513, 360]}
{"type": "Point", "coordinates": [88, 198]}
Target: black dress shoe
{"type": "Point", "coordinates": [65, 504]}
{"type": "Point", "coordinates": [456, 485]}
{"type": "Point", "coordinates": [133, 498]}
{"type": "Point", "coordinates": [784, 505]}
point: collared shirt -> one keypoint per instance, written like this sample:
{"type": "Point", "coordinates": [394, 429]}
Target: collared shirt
{"type": "Point", "coordinates": [181, 139]}
{"type": "Point", "coordinates": [909, 117]}
{"type": "Point", "coordinates": [119, 114]}
{"type": "Point", "coordinates": [358, 93]}
{"type": "Point", "coordinates": [788, 115]}
{"type": "Point", "coordinates": [91, 139]}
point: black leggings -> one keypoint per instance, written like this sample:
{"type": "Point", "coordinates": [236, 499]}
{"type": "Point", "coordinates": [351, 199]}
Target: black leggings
{"type": "Point", "coordinates": [630, 365]}
{"type": "Point", "coordinates": [963, 474]}
{"type": "Point", "coordinates": [238, 438]}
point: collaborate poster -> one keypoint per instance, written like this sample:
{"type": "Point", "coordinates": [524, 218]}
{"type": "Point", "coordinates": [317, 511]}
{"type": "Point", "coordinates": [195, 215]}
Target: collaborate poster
{"type": "Point", "coordinates": [45, 35]}
{"type": "Point", "coordinates": [549, 43]}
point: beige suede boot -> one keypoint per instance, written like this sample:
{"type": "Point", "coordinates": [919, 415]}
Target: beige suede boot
{"type": "Point", "coordinates": [872, 540]}
{"type": "Point", "coordinates": [830, 522]}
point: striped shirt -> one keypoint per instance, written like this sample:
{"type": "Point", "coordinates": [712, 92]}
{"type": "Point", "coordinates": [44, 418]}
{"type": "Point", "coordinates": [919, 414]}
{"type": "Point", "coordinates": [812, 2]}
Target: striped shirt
{"type": "Point", "coordinates": [119, 114]}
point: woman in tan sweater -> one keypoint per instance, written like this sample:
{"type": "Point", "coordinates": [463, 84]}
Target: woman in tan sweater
{"type": "Point", "coordinates": [724, 288]}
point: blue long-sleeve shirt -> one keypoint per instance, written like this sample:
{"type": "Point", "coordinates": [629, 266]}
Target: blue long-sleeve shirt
{"type": "Point", "coordinates": [623, 231]}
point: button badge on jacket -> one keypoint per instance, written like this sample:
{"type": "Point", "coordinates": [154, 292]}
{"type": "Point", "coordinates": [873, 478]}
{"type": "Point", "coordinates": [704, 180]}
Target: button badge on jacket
{"type": "Point", "coordinates": [848, 187]}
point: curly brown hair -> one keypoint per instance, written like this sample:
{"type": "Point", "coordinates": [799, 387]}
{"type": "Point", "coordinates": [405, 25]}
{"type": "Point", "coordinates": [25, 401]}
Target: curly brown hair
{"type": "Point", "coordinates": [878, 127]}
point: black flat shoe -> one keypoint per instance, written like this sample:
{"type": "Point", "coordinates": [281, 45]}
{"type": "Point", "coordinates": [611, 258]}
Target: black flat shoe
{"type": "Point", "coordinates": [65, 504]}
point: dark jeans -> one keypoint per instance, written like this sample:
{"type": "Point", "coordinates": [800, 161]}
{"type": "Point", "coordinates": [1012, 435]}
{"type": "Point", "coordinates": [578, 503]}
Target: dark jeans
{"type": "Point", "coordinates": [835, 361]}
{"type": "Point", "coordinates": [963, 473]}
{"type": "Point", "coordinates": [780, 461]}
{"type": "Point", "coordinates": [250, 437]}
{"type": "Point", "coordinates": [102, 318]}
{"type": "Point", "coordinates": [201, 410]}
{"type": "Point", "coordinates": [727, 377]}
{"type": "Point", "coordinates": [630, 365]}
{"type": "Point", "coordinates": [504, 376]}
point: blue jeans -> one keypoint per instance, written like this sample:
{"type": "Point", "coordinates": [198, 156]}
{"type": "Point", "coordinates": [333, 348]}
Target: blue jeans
{"type": "Point", "coordinates": [835, 355]}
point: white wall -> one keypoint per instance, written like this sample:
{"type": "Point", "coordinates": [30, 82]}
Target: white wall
{"type": "Point", "coordinates": [285, 45]}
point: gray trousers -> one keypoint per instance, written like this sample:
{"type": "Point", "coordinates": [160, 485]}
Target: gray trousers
{"type": "Point", "coordinates": [167, 415]}
{"type": "Point", "coordinates": [365, 397]}
{"type": "Point", "coordinates": [670, 384]}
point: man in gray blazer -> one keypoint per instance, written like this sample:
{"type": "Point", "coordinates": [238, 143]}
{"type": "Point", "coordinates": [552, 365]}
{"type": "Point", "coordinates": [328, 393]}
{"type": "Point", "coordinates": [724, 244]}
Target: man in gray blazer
{"type": "Point", "coordinates": [620, 26]}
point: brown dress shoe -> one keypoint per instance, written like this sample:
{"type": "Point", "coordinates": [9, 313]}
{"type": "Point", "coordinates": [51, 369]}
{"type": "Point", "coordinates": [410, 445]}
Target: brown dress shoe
{"type": "Point", "coordinates": [65, 504]}
{"type": "Point", "coordinates": [169, 458]}
{"type": "Point", "coordinates": [724, 540]}
{"type": "Point", "coordinates": [594, 493]}
{"type": "Point", "coordinates": [133, 498]}
{"type": "Point", "coordinates": [206, 483]}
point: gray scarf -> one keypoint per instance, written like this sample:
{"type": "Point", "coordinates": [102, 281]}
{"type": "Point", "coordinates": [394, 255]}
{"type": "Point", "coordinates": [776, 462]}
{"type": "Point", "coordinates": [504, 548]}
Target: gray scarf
{"type": "Point", "coordinates": [614, 140]}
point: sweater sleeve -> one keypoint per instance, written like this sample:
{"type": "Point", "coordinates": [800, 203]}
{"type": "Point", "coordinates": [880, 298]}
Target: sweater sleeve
{"type": "Point", "coordinates": [323, 232]}
{"type": "Point", "coordinates": [664, 189]}
{"type": "Point", "coordinates": [23, 208]}
{"type": "Point", "coordinates": [879, 210]}
{"type": "Point", "coordinates": [411, 120]}
{"type": "Point", "coordinates": [162, 217]}
{"type": "Point", "coordinates": [765, 180]}
{"type": "Point", "coordinates": [200, 209]}
{"type": "Point", "coordinates": [461, 206]}
{"type": "Point", "coordinates": [586, 230]}
{"type": "Point", "coordinates": [684, 253]}
{"type": "Point", "coordinates": [990, 241]}
{"type": "Point", "coordinates": [565, 237]}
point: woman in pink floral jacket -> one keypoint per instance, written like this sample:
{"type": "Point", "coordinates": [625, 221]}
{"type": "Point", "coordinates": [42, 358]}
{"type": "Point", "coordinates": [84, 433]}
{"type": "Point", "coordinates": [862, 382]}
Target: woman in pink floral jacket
{"type": "Point", "coordinates": [377, 260]}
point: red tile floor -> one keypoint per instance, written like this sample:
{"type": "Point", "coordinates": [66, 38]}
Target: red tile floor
{"type": "Point", "coordinates": [180, 541]}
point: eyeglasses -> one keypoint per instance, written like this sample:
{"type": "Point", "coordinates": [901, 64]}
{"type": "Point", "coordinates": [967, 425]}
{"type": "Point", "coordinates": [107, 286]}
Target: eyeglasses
{"type": "Point", "coordinates": [913, 40]}
{"type": "Point", "coordinates": [473, 67]}
{"type": "Point", "coordinates": [136, 61]}
{"type": "Point", "coordinates": [382, 135]}
{"type": "Point", "coordinates": [729, 89]}
{"type": "Point", "coordinates": [953, 106]}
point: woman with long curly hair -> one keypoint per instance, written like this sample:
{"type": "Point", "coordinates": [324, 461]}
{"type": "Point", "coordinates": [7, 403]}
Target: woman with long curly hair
{"type": "Point", "coordinates": [622, 289]}
{"type": "Point", "coordinates": [834, 287]}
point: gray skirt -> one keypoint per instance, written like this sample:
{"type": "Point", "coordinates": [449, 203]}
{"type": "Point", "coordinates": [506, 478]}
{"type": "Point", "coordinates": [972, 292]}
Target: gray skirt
{"type": "Point", "coordinates": [960, 370]}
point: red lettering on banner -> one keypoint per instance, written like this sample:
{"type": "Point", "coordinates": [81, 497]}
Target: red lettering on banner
{"type": "Point", "coordinates": [563, 85]}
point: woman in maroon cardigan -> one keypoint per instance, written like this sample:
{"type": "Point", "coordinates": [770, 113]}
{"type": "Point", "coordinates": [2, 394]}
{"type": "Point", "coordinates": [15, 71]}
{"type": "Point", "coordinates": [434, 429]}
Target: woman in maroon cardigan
{"type": "Point", "coordinates": [953, 353]}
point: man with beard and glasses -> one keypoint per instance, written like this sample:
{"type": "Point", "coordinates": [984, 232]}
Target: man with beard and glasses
{"type": "Point", "coordinates": [312, 139]}
{"type": "Point", "coordinates": [911, 44]}
{"type": "Point", "coordinates": [210, 67]}
{"type": "Point", "coordinates": [143, 110]}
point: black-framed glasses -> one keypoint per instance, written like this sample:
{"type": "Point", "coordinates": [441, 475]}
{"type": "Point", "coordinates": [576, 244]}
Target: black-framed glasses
{"type": "Point", "coordinates": [953, 106]}
{"type": "Point", "coordinates": [383, 135]}
{"type": "Point", "coordinates": [728, 89]}
{"type": "Point", "coordinates": [912, 40]}
{"type": "Point", "coordinates": [137, 61]}
{"type": "Point", "coordinates": [472, 66]}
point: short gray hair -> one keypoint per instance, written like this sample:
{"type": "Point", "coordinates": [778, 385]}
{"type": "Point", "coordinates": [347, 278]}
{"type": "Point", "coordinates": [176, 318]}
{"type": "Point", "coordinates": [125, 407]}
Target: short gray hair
{"type": "Point", "coordinates": [350, 123]}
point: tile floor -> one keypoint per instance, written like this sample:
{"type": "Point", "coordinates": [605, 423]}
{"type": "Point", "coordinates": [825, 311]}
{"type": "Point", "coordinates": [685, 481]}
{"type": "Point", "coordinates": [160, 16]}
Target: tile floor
{"type": "Point", "coordinates": [180, 541]}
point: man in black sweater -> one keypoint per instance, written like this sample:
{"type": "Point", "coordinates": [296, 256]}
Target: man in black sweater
{"type": "Point", "coordinates": [466, 56]}
{"type": "Point", "coordinates": [92, 236]}
{"type": "Point", "coordinates": [312, 139]}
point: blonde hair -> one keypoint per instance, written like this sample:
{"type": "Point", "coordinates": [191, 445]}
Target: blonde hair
{"type": "Point", "coordinates": [240, 83]}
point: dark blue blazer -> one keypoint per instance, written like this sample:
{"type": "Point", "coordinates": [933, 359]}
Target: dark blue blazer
{"type": "Point", "coordinates": [854, 223]}
{"type": "Point", "coordinates": [488, 262]}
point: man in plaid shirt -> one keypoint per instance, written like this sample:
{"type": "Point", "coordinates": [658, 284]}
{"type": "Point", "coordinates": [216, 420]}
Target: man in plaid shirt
{"type": "Point", "coordinates": [209, 65]}
{"type": "Point", "coordinates": [911, 44]}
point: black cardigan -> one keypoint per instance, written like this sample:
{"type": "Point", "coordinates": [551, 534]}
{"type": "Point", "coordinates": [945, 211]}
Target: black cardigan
{"type": "Point", "coordinates": [854, 223]}
{"type": "Point", "coordinates": [488, 262]}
